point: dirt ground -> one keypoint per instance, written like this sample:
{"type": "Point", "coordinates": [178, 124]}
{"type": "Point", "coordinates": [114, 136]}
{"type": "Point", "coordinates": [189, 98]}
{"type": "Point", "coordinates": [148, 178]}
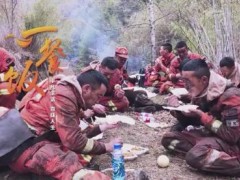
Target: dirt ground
{"type": "Point", "coordinates": [144, 136]}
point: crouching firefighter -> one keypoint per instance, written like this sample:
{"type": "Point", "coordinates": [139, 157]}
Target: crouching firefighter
{"type": "Point", "coordinates": [26, 152]}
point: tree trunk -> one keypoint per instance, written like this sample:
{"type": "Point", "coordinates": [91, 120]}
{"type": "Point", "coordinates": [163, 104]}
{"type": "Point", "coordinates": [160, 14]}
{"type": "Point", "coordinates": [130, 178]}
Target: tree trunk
{"type": "Point", "coordinates": [218, 32]}
{"type": "Point", "coordinates": [152, 29]}
{"type": "Point", "coordinates": [228, 43]}
{"type": "Point", "coordinates": [8, 8]}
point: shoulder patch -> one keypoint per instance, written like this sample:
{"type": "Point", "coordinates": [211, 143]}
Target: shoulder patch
{"type": "Point", "coordinates": [230, 117]}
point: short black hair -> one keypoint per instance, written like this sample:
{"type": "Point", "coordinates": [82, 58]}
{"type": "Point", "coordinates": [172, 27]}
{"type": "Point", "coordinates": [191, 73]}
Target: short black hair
{"type": "Point", "coordinates": [181, 44]}
{"type": "Point", "coordinates": [92, 77]}
{"type": "Point", "coordinates": [227, 61]}
{"type": "Point", "coordinates": [183, 63]}
{"type": "Point", "coordinates": [199, 67]}
{"type": "Point", "coordinates": [167, 46]}
{"type": "Point", "coordinates": [110, 63]}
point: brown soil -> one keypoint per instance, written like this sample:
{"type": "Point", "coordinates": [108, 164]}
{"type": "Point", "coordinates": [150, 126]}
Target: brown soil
{"type": "Point", "coordinates": [144, 136]}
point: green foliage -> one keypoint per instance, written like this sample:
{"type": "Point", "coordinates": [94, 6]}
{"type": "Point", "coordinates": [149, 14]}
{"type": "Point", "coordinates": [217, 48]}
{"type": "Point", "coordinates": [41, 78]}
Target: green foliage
{"type": "Point", "coordinates": [91, 29]}
{"type": "Point", "coordinates": [41, 15]}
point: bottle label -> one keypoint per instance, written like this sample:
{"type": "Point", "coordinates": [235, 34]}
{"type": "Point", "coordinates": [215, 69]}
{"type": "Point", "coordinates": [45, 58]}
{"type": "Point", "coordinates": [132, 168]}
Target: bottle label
{"type": "Point", "coordinates": [118, 169]}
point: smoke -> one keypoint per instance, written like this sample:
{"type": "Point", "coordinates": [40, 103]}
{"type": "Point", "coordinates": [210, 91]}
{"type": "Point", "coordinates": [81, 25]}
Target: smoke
{"type": "Point", "coordinates": [86, 29]}
{"type": "Point", "coordinates": [135, 63]}
{"type": "Point", "coordinates": [83, 28]}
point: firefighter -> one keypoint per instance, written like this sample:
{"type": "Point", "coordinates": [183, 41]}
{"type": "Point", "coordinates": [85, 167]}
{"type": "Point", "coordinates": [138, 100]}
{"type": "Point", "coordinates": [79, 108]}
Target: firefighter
{"type": "Point", "coordinates": [209, 135]}
{"type": "Point", "coordinates": [59, 156]}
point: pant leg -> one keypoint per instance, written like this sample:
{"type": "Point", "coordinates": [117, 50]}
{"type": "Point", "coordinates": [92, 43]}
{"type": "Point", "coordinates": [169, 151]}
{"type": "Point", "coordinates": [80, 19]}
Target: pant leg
{"type": "Point", "coordinates": [214, 155]}
{"type": "Point", "coordinates": [47, 158]}
{"type": "Point", "coordinates": [186, 121]}
{"type": "Point", "coordinates": [181, 141]}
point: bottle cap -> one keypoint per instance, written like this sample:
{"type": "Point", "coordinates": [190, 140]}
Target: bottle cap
{"type": "Point", "coordinates": [117, 146]}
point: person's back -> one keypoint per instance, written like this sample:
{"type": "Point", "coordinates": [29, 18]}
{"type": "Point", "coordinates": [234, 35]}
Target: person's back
{"type": "Point", "coordinates": [35, 108]}
{"type": "Point", "coordinates": [71, 94]}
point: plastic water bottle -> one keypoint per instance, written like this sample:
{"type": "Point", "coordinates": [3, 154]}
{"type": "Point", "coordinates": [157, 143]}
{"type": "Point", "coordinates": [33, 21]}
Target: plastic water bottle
{"type": "Point", "coordinates": [118, 163]}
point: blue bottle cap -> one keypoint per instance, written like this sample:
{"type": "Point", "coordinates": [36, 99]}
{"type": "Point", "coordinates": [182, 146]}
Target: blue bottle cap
{"type": "Point", "coordinates": [117, 146]}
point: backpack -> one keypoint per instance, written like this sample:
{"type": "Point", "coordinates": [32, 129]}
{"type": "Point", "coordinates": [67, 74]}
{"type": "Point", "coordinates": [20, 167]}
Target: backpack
{"type": "Point", "coordinates": [13, 133]}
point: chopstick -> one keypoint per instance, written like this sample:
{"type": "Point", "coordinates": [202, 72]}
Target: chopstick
{"type": "Point", "coordinates": [92, 121]}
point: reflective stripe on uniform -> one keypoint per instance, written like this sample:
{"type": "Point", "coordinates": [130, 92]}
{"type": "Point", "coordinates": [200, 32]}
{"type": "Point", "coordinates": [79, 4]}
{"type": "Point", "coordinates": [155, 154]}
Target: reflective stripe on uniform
{"type": "Point", "coordinates": [216, 125]}
{"type": "Point", "coordinates": [89, 146]}
{"type": "Point", "coordinates": [1, 77]}
{"type": "Point", "coordinates": [112, 105]}
{"type": "Point", "coordinates": [4, 92]}
{"type": "Point", "coordinates": [86, 157]}
{"type": "Point", "coordinates": [114, 108]}
{"type": "Point", "coordinates": [173, 144]}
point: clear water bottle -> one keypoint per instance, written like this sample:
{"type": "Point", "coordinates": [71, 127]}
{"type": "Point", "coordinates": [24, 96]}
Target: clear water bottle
{"type": "Point", "coordinates": [118, 163]}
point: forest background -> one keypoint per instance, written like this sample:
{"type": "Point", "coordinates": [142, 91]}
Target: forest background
{"type": "Point", "coordinates": [91, 29]}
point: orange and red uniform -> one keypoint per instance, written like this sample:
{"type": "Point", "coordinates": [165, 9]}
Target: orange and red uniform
{"type": "Point", "coordinates": [159, 72]}
{"type": "Point", "coordinates": [215, 147]}
{"type": "Point", "coordinates": [110, 100]}
{"type": "Point", "coordinates": [175, 64]}
{"type": "Point", "coordinates": [7, 99]}
{"type": "Point", "coordinates": [235, 75]}
{"type": "Point", "coordinates": [174, 71]}
{"type": "Point", "coordinates": [60, 159]}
